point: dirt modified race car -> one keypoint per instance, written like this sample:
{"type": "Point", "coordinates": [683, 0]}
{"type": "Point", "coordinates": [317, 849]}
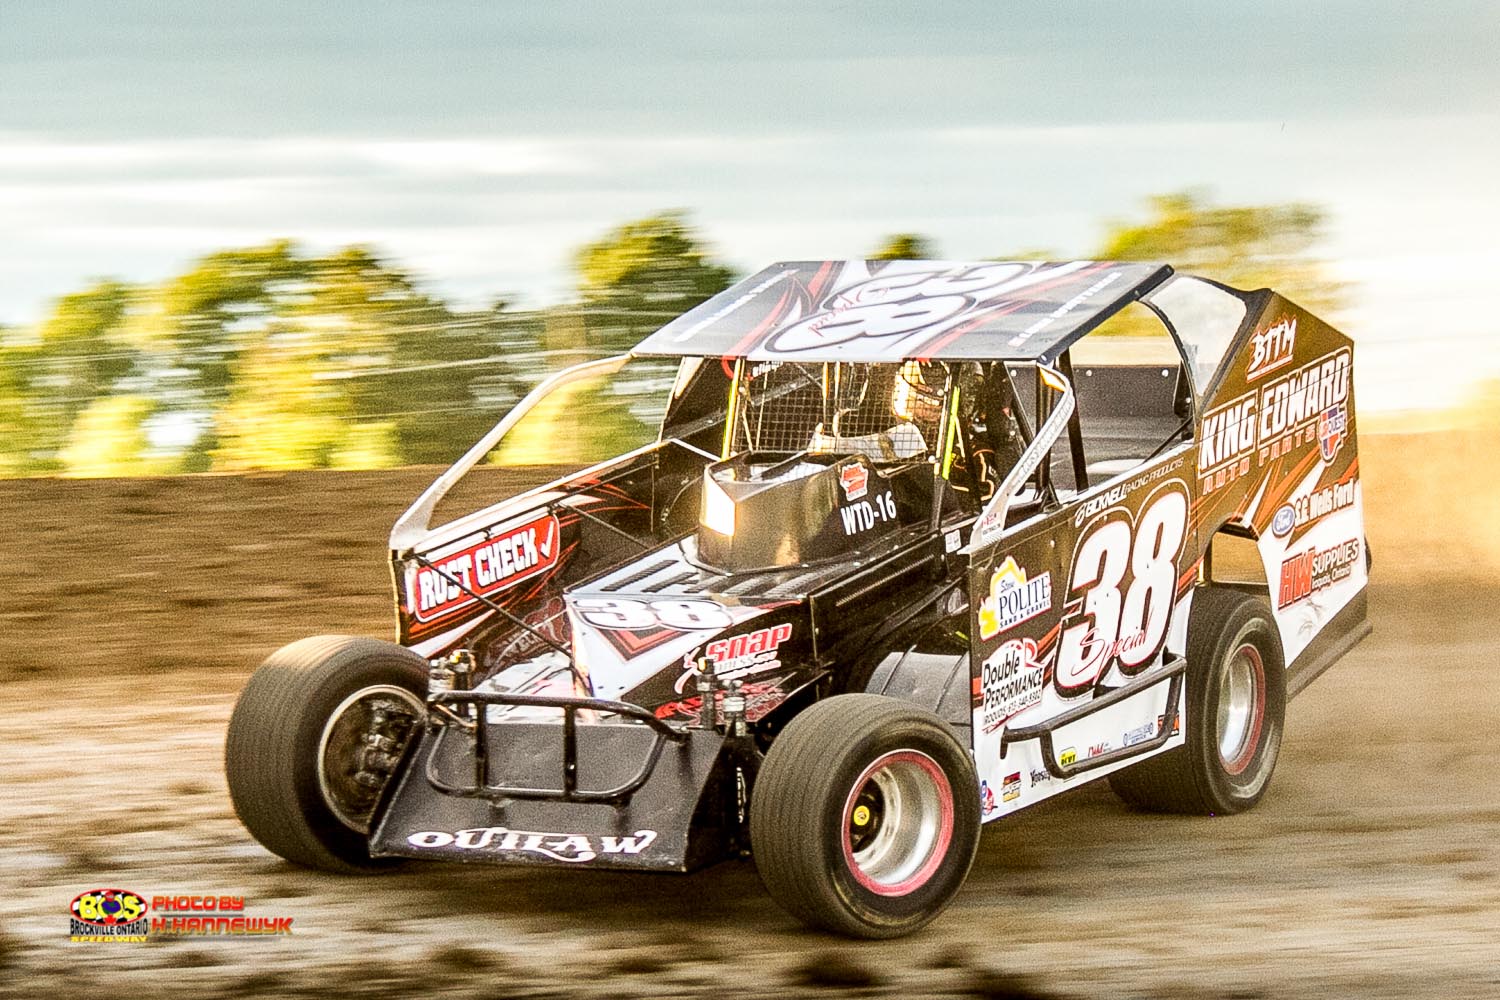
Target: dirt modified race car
{"type": "Point", "coordinates": [917, 545]}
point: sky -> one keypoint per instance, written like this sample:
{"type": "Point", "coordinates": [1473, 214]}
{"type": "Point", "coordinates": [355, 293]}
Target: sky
{"type": "Point", "coordinates": [478, 144]}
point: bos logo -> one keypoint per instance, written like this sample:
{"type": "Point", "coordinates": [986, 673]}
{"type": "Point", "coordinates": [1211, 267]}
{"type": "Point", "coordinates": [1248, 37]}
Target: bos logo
{"type": "Point", "coordinates": [109, 915]}
{"type": "Point", "coordinates": [108, 907]}
{"type": "Point", "coordinates": [855, 479]}
{"type": "Point", "coordinates": [1284, 521]}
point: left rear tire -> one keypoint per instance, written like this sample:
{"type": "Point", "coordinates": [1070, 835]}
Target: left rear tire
{"type": "Point", "coordinates": [864, 818]}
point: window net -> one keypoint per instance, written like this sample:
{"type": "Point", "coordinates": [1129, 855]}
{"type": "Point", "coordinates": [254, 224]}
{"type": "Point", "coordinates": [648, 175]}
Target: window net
{"type": "Point", "coordinates": [890, 412]}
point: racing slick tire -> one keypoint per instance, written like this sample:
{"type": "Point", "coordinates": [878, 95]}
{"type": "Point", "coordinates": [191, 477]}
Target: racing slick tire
{"type": "Point", "coordinates": [864, 817]}
{"type": "Point", "coordinates": [316, 729]}
{"type": "Point", "coordinates": [1236, 707]}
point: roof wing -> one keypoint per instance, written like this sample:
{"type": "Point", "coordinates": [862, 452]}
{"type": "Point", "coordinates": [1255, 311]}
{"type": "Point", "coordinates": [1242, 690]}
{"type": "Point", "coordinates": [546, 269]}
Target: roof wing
{"type": "Point", "coordinates": [871, 311]}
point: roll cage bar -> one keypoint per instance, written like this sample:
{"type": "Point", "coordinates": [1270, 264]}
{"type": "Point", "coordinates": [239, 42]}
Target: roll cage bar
{"type": "Point", "coordinates": [1054, 412]}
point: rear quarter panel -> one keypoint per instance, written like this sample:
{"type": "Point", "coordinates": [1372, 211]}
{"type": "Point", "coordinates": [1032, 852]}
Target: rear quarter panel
{"type": "Point", "coordinates": [1278, 458]}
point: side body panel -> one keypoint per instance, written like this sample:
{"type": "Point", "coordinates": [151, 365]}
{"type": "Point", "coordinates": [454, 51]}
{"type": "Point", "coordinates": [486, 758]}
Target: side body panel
{"type": "Point", "coordinates": [1068, 608]}
{"type": "Point", "coordinates": [1279, 461]}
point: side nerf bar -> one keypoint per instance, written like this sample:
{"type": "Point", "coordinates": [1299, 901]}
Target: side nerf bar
{"type": "Point", "coordinates": [1172, 671]}
{"type": "Point", "coordinates": [570, 707]}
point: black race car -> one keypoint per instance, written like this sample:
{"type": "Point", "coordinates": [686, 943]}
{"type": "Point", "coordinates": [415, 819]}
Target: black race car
{"type": "Point", "coordinates": [919, 544]}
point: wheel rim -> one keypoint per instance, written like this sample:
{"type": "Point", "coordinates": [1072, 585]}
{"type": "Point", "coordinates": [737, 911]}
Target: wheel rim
{"type": "Point", "coordinates": [360, 745]}
{"type": "Point", "coordinates": [897, 823]}
{"type": "Point", "coordinates": [1242, 707]}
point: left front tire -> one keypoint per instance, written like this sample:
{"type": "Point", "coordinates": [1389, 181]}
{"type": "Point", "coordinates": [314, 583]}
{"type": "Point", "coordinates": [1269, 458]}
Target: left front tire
{"type": "Point", "coordinates": [864, 818]}
{"type": "Point", "coordinates": [312, 740]}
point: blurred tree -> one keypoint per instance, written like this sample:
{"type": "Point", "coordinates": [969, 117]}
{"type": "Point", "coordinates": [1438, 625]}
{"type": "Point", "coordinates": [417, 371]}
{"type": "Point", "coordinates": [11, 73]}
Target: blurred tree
{"type": "Point", "coordinates": [1246, 246]}
{"type": "Point", "coordinates": [80, 350]}
{"type": "Point", "coordinates": [224, 303]}
{"type": "Point", "coordinates": [353, 365]}
{"type": "Point", "coordinates": [642, 274]}
{"type": "Point", "coordinates": [23, 434]}
{"type": "Point", "coordinates": [53, 372]}
{"type": "Point", "coordinates": [109, 438]}
{"type": "Point", "coordinates": [280, 414]}
{"type": "Point", "coordinates": [362, 365]}
{"type": "Point", "coordinates": [905, 246]}
{"type": "Point", "coordinates": [577, 425]}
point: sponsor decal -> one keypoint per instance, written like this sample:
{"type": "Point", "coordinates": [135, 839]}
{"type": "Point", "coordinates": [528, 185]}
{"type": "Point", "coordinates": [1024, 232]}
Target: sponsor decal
{"type": "Point", "coordinates": [1271, 348]}
{"type": "Point", "coordinates": [1333, 427]}
{"type": "Point", "coordinates": [739, 656]}
{"type": "Point", "coordinates": [987, 798]}
{"type": "Point", "coordinates": [1010, 788]}
{"type": "Point", "coordinates": [1305, 510]}
{"type": "Point", "coordinates": [1140, 734]}
{"type": "Point", "coordinates": [1010, 681]}
{"type": "Point", "coordinates": [1117, 494]}
{"type": "Point", "coordinates": [500, 561]}
{"type": "Point", "coordinates": [855, 479]}
{"type": "Point", "coordinates": [571, 848]}
{"type": "Point", "coordinates": [108, 915]}
{"type": "Point", "coordinates": [1306, 573]}
{"type": "Point", "coordinates": [865, 514]}
{"type": "Point", "coordinates": [1228, 434]}
{"type": "Point", "coordinates": [1014, 598]}
{"type": "Point", "coordinates": [550, 618]}
{"type": "Point", "coordinates": [1265, 424]}
{"type": "Point", "coordinates": [1161, 720]}
{"type": "Point", "coordinates": [1068, 757]}
{"type": "Point", "coordinates": [1099, 749]}
{"type": "Point", "coordinates": [1039, 777]}
{"type": "Point", "coordinates": [952, 542]}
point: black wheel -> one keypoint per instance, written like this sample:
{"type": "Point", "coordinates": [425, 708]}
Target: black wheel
{"type": "Point", "coordinates": [864, 817]}
{"type": "Point", "coordinates": [1236, 704]}
{"type": "Point", "coordinates": [313, 740]}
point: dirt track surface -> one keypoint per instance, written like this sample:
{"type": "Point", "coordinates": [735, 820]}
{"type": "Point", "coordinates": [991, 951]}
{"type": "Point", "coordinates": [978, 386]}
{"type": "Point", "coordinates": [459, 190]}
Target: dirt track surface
{"type": "Point", "coordinates": [1370, 870]}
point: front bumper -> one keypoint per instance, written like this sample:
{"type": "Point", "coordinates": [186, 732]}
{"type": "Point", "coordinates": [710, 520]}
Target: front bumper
{"type": "Point", "coordinates": [631, 796]}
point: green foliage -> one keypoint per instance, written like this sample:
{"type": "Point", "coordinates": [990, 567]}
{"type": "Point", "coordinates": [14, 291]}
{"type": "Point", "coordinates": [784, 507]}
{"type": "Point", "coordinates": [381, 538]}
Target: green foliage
{"type": "Point", "coordinates": [1255, 246]}
{"type": "Point", "coordinates": [576, 425]}
{"type": "Point", "coordinates": [269, 357]}
{"type": "Point", "coordinates": [22, 432]}
{"type": "Point", "coordinates": [109, 438]}
{"type": "Point", "coordinates": [905, 246]}
{"type": "Point", "coordinates": [280, 414]}
{"type": "Point", "coordinates": [644, 273]}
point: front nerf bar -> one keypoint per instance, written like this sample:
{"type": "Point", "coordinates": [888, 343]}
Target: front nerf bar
{"type": "Point", "coordinates": [570, 706]}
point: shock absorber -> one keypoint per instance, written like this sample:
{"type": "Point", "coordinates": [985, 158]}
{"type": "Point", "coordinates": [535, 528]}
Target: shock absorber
{"type": "Point", "coordinates": [707, 686]}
